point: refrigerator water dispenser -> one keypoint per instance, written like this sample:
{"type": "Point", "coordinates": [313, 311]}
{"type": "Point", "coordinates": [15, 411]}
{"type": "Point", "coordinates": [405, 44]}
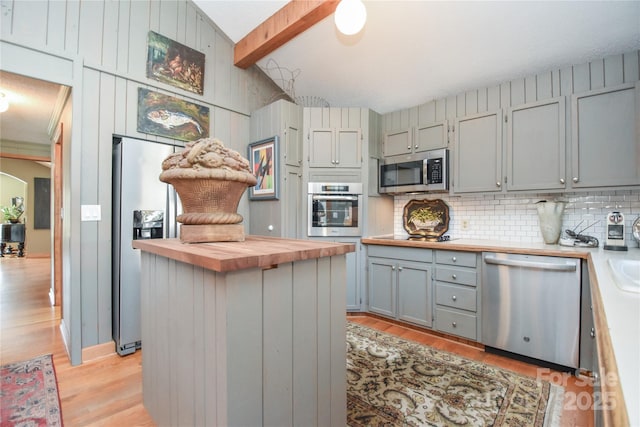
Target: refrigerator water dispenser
{"type": "Point", "coordinates": [147, 224]}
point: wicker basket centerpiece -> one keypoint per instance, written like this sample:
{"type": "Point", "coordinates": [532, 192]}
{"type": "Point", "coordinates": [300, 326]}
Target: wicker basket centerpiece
{"type": "Point", "coordinates": [210, 180]}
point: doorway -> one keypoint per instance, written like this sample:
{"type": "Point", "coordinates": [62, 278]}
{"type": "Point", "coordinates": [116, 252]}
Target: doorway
{"type": "Point", "coordinates": [31, 149]}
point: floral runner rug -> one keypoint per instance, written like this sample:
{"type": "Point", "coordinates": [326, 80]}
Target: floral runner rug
{"type": "Point", "coordinates": [29, 393]}
{"type": "Point", "coordinates": [396, 382]}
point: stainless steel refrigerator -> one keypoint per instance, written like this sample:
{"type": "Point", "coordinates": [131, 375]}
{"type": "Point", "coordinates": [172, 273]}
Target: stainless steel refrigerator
{"type": "Point", "coordinates": [143, 208]}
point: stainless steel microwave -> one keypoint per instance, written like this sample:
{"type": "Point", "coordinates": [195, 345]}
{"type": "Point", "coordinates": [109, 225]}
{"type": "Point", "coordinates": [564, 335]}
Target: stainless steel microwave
{"type": "Point", "coordinates": [417, 173]}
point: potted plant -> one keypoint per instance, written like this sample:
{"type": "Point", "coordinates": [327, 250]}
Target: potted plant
{"type": "Point", "coordinates": [12, 213]}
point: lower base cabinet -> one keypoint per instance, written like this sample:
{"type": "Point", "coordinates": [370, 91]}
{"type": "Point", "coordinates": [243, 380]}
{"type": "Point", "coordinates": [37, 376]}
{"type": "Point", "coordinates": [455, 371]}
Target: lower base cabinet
{"type": "Point", "coordinates": [456, 294]}
{"type": "Point", "coordinates": [437, 289]}
{"type": "Point", "coordinates": [400, 283]}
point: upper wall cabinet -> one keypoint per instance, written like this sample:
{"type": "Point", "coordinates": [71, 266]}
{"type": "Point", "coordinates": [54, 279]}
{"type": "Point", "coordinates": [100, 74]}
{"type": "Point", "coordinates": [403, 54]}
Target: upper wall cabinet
{"type": "Point", "coordinates": [339, 148]}
{"type": "Point", "coordinates": [415, 139]}
{"type": "Point", "coordinates": [536, 146]}
{"type": "Point", "coordinates": [478, 153]}
{"type": "Point", "coordinates": [292, 145]}
{"type": "Point", "coordinates": [606, 137]}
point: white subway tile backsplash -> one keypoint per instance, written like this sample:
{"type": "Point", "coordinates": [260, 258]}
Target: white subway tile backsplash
{"type": "Point", "coordinates": [515, 218]}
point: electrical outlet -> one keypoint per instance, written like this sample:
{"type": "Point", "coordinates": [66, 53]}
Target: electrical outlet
{"type": "Point", "coordinates": [465, 224]}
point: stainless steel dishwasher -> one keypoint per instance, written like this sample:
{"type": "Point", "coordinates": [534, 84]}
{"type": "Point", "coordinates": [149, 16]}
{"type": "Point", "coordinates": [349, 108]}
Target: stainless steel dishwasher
{"type": "Point", "coordinates": [531, 306]}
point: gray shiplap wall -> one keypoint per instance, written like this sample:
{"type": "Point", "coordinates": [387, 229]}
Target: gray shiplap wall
{"type": "Point", "coordinates": [99, 48]}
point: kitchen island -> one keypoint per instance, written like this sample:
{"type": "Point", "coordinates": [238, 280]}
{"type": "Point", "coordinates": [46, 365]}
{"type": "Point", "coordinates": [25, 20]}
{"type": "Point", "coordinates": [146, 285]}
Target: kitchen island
{"type": "Point", "coordinates": [616, 314]}
{"type": "Point", "coordinates": [244, 333]}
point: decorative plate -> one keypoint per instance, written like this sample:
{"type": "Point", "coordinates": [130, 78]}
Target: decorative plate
{"type": "Point", "coordinates": [426, 218]}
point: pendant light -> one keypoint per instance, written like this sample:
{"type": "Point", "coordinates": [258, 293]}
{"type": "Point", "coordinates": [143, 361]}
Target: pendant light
{"type": "Point", "coordinates": [4, 102]}
{"type": "Point", "coordinates": [350, 16]}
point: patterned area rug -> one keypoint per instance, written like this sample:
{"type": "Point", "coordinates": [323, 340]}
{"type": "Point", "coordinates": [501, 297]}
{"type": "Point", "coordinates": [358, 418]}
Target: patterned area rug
{"type": "Point", "coordinates": [395, 382]}
{"type": "Point", "coordinates": [29, 394]}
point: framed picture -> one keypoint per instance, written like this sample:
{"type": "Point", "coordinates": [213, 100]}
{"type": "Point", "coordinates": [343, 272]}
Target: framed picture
{"type": "Point", "coordinates": [263, 160]}
{"type": "Point", "coordinates": [426, 218]}
{"type": "Point", "coordinates": [165, 115]}
{"type": "Point", "coordinates": [175, 64]}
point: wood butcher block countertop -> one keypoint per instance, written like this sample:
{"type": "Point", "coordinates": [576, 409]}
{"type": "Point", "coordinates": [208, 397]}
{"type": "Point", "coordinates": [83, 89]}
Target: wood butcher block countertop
{"type": "Point", "coordinates": [254, 252]}
{"type": "Point", "coordinates": [616, 315]}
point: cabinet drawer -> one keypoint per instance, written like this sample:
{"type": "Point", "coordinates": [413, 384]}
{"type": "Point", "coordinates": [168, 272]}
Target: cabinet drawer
{"type": "Point", "coordinates": [456, 296]}
{"type": "Point", "coordinates": [455, 323]}
{"type": "Point", "coordinates": [464, 259]}
{"type": "Point", "coordinates": [399, 253]}
{"type": "Point", "coordinates": [456, 275]}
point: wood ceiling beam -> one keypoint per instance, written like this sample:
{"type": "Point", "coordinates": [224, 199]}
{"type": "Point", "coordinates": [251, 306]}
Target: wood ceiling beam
{"type": "Point", "coordinates": [294, 18]}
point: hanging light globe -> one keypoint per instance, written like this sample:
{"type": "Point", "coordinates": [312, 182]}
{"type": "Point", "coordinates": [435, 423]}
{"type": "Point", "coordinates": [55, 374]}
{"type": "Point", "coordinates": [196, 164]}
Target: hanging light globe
{"type": "Point", "coordinates": [4, 102]}
{"type": "Point", "coordinates": [350, 16]}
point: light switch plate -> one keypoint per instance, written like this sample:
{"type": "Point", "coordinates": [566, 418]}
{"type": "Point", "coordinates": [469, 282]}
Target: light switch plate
{"type": "Point", "coordinates": [90, 213]}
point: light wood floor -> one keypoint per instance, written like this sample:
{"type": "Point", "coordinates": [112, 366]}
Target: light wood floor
{"type": "Point", "coordinates": [104, 392]}
{"type": "Point", "coordinates": [108, 391]}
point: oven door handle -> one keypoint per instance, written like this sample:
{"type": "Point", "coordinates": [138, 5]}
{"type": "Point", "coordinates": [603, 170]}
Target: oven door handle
{"type": "Point", "coordinates": [350, 198]}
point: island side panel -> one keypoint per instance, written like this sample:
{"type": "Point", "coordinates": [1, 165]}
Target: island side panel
{"type": "Point", "coordinates": [244, 347]}
{"type": "Point", "coordinates": [224, 379]}
{"type": "Point", "coordinates": [338, 274]}
{"type": "Point", "coordinates": [156, 277]}
{"type": "Point", "coordinates": [278, 345]}
{"type": "Point", "coordinates": [147, 323]}
{"type": "Point", "coordinates": [215, 350]}
{"type": "Point", "coordinates": [183, 356]}
{"type": "Point", "coordinates": [305, 343]}
{"type": "Point", "coordinates": [323, 320]}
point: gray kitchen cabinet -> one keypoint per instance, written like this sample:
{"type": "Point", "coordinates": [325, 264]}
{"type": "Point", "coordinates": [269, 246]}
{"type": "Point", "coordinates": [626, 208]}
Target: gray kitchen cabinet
{"type": "Point", "coordinates": [478, 153]}
{"type": "Point", "coordinates": [400, 283]}
{"type": "Point", "coordinates": [292, 196]}
{"type": "Point", "coordinates": [335, 148]}
{"type": "Point", "coordinates": [536, 145]}
{"type": "Point", "coordinates": [414, 293]}
{"type": "Point", "coordinates": [456, 295]}
{"type": "Point", "coordinates": [337, 142]}
{"type": "Point", "coordinates": [292, 143]}
{"type": "Point", "coordinates": [354, 299]}
{"type": "Point", "coordinates": [605, 144]}
{"type": "Point", "coordinates": [416, 139]}
{"type": "Point", "coordinates": [382, 286]}
{"type": "Point", "coordinates": [280, 217]}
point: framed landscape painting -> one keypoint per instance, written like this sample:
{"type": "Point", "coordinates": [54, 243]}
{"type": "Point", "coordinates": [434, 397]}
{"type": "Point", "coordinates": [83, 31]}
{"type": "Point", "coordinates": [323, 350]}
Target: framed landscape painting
{"type": "Point", "coordinates": [175, 64]}
{"type": "Point", "coordinates": [165, 115]}
{"type": "Point", "coordinates": [263, 160]}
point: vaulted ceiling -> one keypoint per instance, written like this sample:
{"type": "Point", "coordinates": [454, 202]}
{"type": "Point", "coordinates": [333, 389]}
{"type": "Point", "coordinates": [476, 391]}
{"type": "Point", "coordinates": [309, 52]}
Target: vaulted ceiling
{"type": "Point", "coordinates": [411, 52]}
{"type": "Point", "coordinates": [408, 53]}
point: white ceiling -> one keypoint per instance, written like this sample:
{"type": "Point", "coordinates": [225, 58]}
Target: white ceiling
{"type": "Point", "coordinates": [31, 106]}
{"type": "Point", "coordinates": [411, 52]}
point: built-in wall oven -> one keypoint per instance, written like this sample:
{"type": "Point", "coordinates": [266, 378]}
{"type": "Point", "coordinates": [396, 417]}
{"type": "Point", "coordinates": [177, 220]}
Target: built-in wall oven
{"type": "Point", "coordinates": [335, 209]}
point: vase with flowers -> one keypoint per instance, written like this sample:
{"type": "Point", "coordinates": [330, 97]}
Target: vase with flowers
{"type": "Point", "coordinates": [12, 213]}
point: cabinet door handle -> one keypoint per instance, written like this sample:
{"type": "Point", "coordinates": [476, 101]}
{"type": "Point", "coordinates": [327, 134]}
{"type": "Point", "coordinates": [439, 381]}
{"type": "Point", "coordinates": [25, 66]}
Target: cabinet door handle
{"type": "Point", "coordinates": [415, 146]}
{"type": "Point", "coordinates": [454, 297]}
{"type": "Point", "coordinates": [454, 324]}
{"type": "Point", "coordinates": [393, 267]}
{"type": "Point", "coordinates": [498, 184]}
{"type": "Point", "coordinates": [593, 333]}
{"type": "Point", "coordinates": [561, 180]}
{"type": "Point", "coordinates": [453, 276]}
{"type": "Point", "coordinates": [575, 179]}
{"type": "Point", "coordinates": [454, 259]}
{"type": "Point", "coordinates": [408, 147]}
{"type": "Point", "coordinates": [400, 268]}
